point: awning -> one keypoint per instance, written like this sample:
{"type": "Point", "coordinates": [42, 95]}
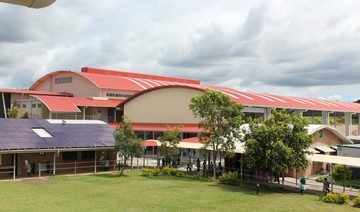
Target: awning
{"type": "Point", "coordinates": [312, 150]}
{"type": "Point", "coordinates": [324, 149]}
{"type": "Point", "coordinates": [70, 104]}
{"type": "Point", "coordinates": [349, 161]}
{"type": "Point", "coordinates": [147, 143]}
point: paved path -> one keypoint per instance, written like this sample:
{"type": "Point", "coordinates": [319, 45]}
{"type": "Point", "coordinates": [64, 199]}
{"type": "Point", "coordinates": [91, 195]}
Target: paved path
{"type": "Point", "coordinates": [317, 187]}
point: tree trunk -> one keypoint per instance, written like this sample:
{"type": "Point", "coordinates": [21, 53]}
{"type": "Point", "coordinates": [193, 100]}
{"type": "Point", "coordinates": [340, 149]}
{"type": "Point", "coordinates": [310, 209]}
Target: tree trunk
{"type": "Point", "coordinates": [122, 170]}
{"type": "Point", "coordinates": [214, 163]}
{"type": "Point", "coordinates": [131, 162]}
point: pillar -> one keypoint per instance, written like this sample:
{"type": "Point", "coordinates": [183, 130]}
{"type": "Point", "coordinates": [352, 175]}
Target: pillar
{"type": "Point", "coordinates": [325, 117]}
{"type": "Point", "coordinates": [348, 123]}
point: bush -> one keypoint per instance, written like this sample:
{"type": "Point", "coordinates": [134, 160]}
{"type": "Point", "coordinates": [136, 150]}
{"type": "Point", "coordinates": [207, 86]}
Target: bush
{"type": "Point", "coordinates": [169, 171]}
{"type": "Point", "coordinates": [149, 172]}
{"type": "Point", "coordinates": [341, 172]}
{"type": "Point", "coordinates": [356, 202]}
{"type": "Point", "coordinates": [230, 178]}
{"type": "Point", "coordinates": [336, 198]}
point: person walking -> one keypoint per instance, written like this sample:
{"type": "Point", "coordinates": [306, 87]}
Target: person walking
{"type": "Point", "coordinates": [326, 186]}
{"type": "Point", "coordinates": [28, 168]}
{"type": "Point", "coordinates": [302, 185]}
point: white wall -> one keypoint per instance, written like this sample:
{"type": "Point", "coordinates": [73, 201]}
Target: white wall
{"type": "Point", "coordinates": [169, 105]}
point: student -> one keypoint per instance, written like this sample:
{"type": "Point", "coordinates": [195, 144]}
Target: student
{"type": "Point", "coordinates": [302, 185]}
{"type": "Point", "coordinates": [326, 186]}
{"type": "Point", "coordinates": [28, 168]}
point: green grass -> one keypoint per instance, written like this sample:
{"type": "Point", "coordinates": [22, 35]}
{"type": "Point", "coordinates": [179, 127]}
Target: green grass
{"type": "Point", "coordinates": [109, 192]}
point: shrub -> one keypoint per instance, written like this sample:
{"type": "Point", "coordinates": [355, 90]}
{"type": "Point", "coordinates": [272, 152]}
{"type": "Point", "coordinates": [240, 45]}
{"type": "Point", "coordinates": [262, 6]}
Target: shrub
{"type": "Point", "coordinates": [230, 178]}
{"type": "Point", "coordinates": [341, 172]}
{"type": "Point", "coordinates": [336, 198]}
{"type": "Point", "coordinates": [330, 198]}
{"type": "Point", "coordinates": [171, 171]}
{"type": "Point", "coordinates": [342, 199]}
{"type": "Point", "coordinates": [356, 202]}
{"type": "Point", "coordinates": [149, 172]}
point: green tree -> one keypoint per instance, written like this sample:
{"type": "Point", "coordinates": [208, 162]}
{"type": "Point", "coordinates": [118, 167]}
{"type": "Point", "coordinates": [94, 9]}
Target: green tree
{"type": "Point", "coordinates": [220, 119]}
{"type": "Point", "coordinates": [342, 172]}
{"type": "Point", "coordinates": [126, 143]}
{"type": "Point", "coordinates": [169, 142]}
{"type": "Point", "coordinates": [13, 112]}
{"type": "Point", "coordinates": [278, 144]}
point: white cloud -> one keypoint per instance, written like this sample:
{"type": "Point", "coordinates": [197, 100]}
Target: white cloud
{"type": "Point", "coordinates": [304, 48]}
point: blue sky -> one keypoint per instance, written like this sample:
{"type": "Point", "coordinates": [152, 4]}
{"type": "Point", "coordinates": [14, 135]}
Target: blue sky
{"type": "Point", "coordinates": [293, 48]}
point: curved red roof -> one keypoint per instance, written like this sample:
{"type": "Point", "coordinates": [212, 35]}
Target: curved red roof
{"type": "Point", "coordinates": [267, 100]}
{"type": "Point", "coordinates": [145, 83]}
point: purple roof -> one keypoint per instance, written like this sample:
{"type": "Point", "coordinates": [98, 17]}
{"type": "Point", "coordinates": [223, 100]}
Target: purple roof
{"type": "Point", "coordinates": [18, 134]}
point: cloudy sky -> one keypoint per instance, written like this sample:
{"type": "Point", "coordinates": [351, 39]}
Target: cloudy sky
{"type": "Point", "coordinates": [296, 48]}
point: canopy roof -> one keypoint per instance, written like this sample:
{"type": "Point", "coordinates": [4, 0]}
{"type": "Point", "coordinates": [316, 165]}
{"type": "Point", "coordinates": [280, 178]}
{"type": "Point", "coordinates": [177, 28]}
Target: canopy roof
{"type": "Point", "coordinates": [71, 104]}
{"type": "Point", "coordinates": [349, 161]}
{"type": "Point", "coordinates": [33, 92]}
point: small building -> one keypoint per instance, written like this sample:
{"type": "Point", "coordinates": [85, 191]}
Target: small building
{"type": "Point", "coordinates": [350, 150]}
{"type": "Point", "coordinates": [55, 147]}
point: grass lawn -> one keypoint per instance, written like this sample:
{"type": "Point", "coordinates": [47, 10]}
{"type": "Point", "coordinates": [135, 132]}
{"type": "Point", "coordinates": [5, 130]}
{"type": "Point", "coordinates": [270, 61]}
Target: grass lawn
{"type": "Point", "coordinates": [108, 192]}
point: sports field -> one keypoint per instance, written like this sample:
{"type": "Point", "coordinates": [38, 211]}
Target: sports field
{"type": "Point", "coordinates": [132, 192]}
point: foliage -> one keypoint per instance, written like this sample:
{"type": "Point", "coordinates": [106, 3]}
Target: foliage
{"type": "Point", "coordinates": [171, 171]}
{"type": "Point", "coordinates": [220, 119]}
{"type": "Point", "coordinates": [230, 178]}
{"type": "Point", "coordinates": [341, 172]}
{"type": "Point", "coordinates": [13, 112]}
{"type": "Point", "coordinates": [169, 142]}
{"type": "Point", "coordinates": [356, 202]}
{"type": "Point", "coordinates": [278, 144]}
{"type": "Point", "coordinates": [336, 198]}
{"type": "Point", "coordinates": [126, 142]}
{"type": "Point", "coordinates": [149, 172]}
{"type": "Point", "coordinates": [25, 116]}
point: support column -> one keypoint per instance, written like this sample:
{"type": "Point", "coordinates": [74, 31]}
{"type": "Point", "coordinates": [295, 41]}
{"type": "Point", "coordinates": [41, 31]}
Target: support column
{"type": "Point", "coordinates": [299, 113]}
{"type": "Point", "coordinates": [14, 166]}
{"type": "Point", "coordinates": [358, 123]}
{"type": "Point", "coordinates": [267, 113]}
{"type": "Point", "coordinates": [95, 163]}
{"type": "Point", "coordinates": [3, 100]}
{"type": "Point", "coordinates": [84, 113]}
{"type": "Point", "coordinates": [325, 117]}
{"type": "Point", "coordinates": [54, 162]}
{"type": "Point", "coordinates": [348, 123]}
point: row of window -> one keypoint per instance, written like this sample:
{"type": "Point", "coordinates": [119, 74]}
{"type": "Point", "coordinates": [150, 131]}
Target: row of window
{"type": "Point", "coordinates": [63, 80]}
{"type": "Point", "coordinates": [117, 95]}
{"type": "Point", "coordinates": [154, 135]}
{"type": "Point", "coordinates": [32, 105]}
{"type": "Point", "coordinates": [86, 155]}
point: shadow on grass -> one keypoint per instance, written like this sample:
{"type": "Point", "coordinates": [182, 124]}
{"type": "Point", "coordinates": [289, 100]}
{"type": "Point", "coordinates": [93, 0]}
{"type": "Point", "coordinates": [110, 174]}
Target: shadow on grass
{"type": "Point", "coordinates": [110, 175]}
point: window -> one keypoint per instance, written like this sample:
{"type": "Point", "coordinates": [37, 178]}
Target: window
{"type": "Point", "coordinates": [23, 105]}
{"type": "Point", "coordinates": [117, 95]}
{"type": "Point", "coordinates": [42, 132]}
{"type": "Point", "coordinates": [88, 155]}
{"type": "Point", "coordinates": [39, 105]}
{"type": "Point", "coordinates": [69, 155]}
{"type": "Point", "coordinates": [63, 80]}
{"type": "Point", "coordinates": [33, 105]}
{"type": "Point", "coordinates": [158, 134]}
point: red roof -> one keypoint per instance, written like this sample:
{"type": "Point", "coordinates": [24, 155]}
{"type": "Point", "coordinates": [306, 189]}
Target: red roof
{"type": "Point", "coordinates": [70, 104]}
{"type": "Point", "coordinates": [161, 127]}
{"type": "Point", "coordinates": [267, 100]}
{"type": "Point", "coordinates": [144, 83]}
{"type": "Point", "coordinates": [147, 143]}
{"type": "Point", "coordinates": [32, 92]}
